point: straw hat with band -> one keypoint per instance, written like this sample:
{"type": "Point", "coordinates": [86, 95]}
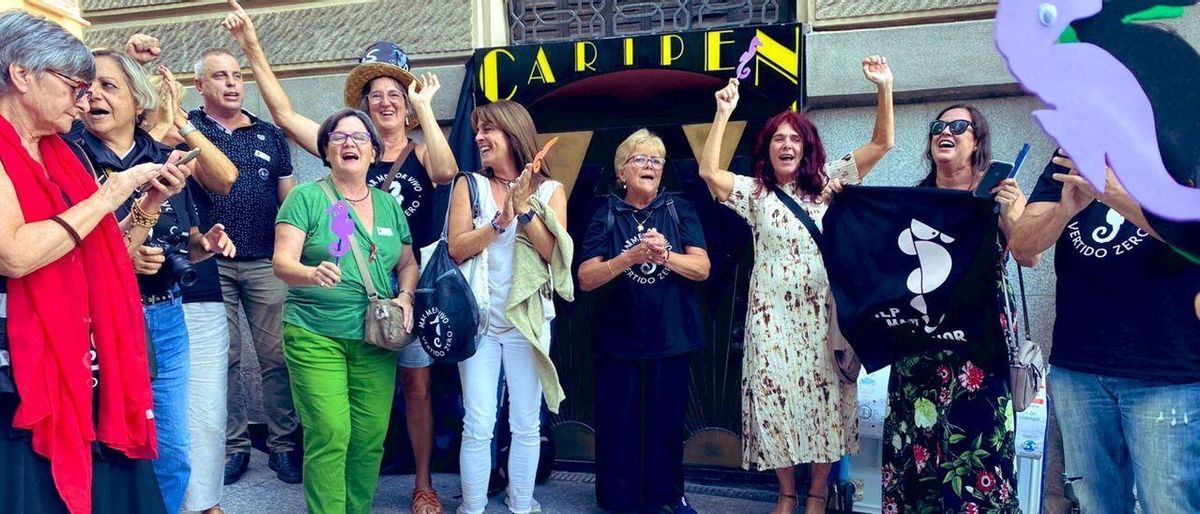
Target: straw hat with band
{"type": "Point", "coordinates": [383, 59]}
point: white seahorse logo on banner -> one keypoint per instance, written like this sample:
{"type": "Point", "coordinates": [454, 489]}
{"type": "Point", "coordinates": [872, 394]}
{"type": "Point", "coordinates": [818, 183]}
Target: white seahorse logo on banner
{"type": "Point", "coordinates": [933, 268]}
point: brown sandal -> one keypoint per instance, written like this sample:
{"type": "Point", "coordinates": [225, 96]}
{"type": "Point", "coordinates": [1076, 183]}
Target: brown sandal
{"type": "Point", "coordinates": [426, 502]}
{"type": "Point", "coordinates": [824, 500]}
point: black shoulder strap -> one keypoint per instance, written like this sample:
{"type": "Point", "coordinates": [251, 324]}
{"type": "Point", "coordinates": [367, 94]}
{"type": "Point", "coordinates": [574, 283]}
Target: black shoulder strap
{"type": "Point", "coordinates": [804, 217]}
{"type": "Point", "coordinates": [472, 192]}
{"type": "Point", "coordinates": [671, 210]}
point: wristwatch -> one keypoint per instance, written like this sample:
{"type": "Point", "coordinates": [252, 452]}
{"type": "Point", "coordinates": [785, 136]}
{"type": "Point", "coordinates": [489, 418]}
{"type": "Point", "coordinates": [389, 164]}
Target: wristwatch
{"type": "Point", "coordinates": [525, 217]}
{"type": "Point", "coordinates": [187, 128]}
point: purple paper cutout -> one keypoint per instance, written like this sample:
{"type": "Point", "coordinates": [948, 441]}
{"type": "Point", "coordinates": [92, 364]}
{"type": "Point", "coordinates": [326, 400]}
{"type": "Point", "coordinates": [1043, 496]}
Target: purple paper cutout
{"type": "Point", "coordinates": [743, 70]}
{"type": "Point", "coordinates": [1098, 112]}
{"type": "Point", "coordinates": [341, 226]}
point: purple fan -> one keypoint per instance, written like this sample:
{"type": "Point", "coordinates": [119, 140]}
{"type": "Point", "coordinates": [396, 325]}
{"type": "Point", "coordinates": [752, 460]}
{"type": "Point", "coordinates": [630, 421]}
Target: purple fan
{"type": "Point", "coordinates": [341, 226]}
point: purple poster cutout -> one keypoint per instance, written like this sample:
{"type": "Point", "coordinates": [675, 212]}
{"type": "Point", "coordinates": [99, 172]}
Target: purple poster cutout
{"type": "Point", "coordinates": [1097, 111]}
{"type": "Point", "coordinates": [341, 226]}
{"type": "Point", "coordinates": [743, 69]}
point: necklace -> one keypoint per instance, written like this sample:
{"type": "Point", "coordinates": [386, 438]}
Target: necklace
{"type": "Point", "coordinates": [364, 196]}
{"type": "Point", "coordinates": [640, 222]}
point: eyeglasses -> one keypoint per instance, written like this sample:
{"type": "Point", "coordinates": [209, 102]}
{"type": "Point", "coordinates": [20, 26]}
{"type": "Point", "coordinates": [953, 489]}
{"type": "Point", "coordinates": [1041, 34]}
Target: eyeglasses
{"type": "Point", "coordinates": [78, 87]}
{"type": "Point", "coordinates": [378, 97]}
{"type": "Point", "coordinates": [642, 160]}
{"type": "Point", "coordinates": [360, 138]}
{"type": "Point", "coordinates": [957, 127]}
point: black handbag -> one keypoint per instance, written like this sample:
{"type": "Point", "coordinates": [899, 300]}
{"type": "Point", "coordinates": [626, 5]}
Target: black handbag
{"type": "Point", "coordinates": [447, 316]}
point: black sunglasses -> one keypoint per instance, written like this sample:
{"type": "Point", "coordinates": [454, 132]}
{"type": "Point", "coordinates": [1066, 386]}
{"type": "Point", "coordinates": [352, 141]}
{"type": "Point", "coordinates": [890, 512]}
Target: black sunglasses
{"type": "Point", "coordinates": [957, 127]}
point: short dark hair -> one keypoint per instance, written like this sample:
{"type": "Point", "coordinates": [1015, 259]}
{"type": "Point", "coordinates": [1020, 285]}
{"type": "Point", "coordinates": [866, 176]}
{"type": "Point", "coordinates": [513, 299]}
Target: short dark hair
{"type": "Point", "coordinates": [331, 122]}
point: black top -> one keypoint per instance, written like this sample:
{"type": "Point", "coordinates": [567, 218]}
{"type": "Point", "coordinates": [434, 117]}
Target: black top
{"type": "Point", "coordinates": [647, 311]}
{"type": "Point", "coordinates": [261, 154]}
{"type": "Point", "coordinates": [1125, 304]}
{"type": "Point", "coordinates": [174, 218]}
{"type": "Point", "coordinates": [413, 189]}
{"type": "Point", "coordinates": [208, 284]}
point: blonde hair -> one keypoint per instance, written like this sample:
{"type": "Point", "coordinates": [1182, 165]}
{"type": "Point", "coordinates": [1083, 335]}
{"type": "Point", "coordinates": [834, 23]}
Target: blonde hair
{"type": "Point", "coordinates": [641, 138]}
{"type": "Point", "coordinates": [512, 119]}
{"type": "Point", "coordinates": [145, 96]}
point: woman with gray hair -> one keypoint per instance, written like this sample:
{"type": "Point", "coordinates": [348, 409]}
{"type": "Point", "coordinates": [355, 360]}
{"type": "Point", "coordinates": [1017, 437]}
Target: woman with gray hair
{"type": "Point", "coordinates": [341, 384]}
{"type": "Point", "coordinates": [76, 414]}
{"type": "Point", "coordinates": [111, 140]}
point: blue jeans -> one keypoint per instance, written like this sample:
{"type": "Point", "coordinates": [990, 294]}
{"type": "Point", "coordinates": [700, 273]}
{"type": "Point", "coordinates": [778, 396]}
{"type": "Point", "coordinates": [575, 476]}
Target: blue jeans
{"type": "Point", "coordinates": [1120, 432]}
{"type": "Point", "coordinates": [169, 332]}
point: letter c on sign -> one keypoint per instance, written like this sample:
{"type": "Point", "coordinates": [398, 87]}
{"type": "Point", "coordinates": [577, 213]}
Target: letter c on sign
{"type": "Point", "coordinates": [489, 75]}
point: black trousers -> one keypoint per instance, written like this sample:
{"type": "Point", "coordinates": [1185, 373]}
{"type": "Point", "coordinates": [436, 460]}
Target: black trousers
{"type": "Point", "coordinates": [640, 406]}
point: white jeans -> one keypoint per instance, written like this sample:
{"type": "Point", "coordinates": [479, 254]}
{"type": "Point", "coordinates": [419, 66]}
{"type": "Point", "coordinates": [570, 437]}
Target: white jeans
{"type": "Point", "coordinates": [480, 382]}
{"type": "Point", "coordinates": [209, 339]}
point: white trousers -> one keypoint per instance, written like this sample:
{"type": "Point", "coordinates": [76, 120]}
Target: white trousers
{"type": "Point", "coordinates": [515, 356]}
{"type": "Point", "coordinates": [207, 383]}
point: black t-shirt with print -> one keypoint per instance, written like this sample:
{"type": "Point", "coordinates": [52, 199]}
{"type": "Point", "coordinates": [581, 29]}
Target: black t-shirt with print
{"type": "Point", "coordinates": [413, 189]}
{"type": "Point", "coordinates": [208, 283]}
{"type": "Point", "coordinates": [647, 311]}
{"type": "Point", "coordinates": [1125, 300]}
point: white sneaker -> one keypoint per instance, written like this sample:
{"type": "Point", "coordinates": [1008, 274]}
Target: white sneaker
{"type": "Point", "coordinates": [534, 506]}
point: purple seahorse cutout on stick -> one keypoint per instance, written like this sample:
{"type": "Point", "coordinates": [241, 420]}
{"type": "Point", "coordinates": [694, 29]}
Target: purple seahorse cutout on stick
{"type": "Point", "coordinates": [1098, 112]}
{"type": "Point", "coordinates": [743, 69]}
{"type": "Point", "coordinates": [341, 226]}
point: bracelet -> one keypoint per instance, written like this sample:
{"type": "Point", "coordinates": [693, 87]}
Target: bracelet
{"type": "Point", "coordinates": [70, 230]}
{"type": "Point", "coordinates": [667, 258]}
{"type": "Point", "coordinates": [610, 270]}
{"type": "Point", "coordinates": [187, 128]}
{"type": "Point", "coordinates": [410, 295]}
{"type": "Point", "coordinates": [499, 230]}
{"type": "Point", "coordinates": [140, 218]}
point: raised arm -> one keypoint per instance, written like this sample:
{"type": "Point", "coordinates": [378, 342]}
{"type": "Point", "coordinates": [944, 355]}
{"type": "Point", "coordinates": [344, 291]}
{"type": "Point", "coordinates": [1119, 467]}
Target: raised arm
{"type": "Point", "coordinates": [883, 138]}
{"type": "Point", "coordinates": [720, 182]}
{"type": "Point", "coordinates": [212, 169]}
{"type": "Point", "coordinates": [300, 129]}
{"type": "Point", "coordinates": [435, 154]}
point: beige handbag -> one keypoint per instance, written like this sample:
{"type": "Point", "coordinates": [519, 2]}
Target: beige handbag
{"type": "Point", "coordinates": [848, 365]}
{"type": "Point", "coordinates": [1025, 364]}
{"type": "Point", "coordinates": [383, 324]}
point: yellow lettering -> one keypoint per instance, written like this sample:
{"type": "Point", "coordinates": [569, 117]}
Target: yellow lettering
{"type": "Point", "coordinates": [489, 75]}
{"type": "Point", "coordinates": [668, 45]}
{"type": "Point", "coordinates": [541, 68]}
{"type": "Point", "coordinates": [582, 62]}
{"type": "Point", "coordinates": [712, 50]}
{"type": "Point", "coordinates": [629, 51]}
{"type": "Point", "coordinates": [784, 60]}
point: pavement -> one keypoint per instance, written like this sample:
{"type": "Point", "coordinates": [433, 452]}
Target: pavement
{"type": "Point", "coordinates": [259, 492]}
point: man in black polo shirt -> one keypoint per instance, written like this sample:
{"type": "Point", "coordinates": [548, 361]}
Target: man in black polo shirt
{"type": "Point", "coordinates": [1126, 354]}
{"type": "Point", "coordinates": [260, 152]}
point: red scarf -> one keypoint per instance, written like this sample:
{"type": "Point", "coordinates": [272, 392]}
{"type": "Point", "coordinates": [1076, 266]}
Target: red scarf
{"type": "Point", "coordinates": [51, 312]}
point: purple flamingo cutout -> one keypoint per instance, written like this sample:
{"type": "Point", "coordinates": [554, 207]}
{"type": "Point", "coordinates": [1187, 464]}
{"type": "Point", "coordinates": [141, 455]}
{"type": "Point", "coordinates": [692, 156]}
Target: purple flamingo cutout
{"type": "Point", "coordinates": [342, 226]}
{"type": "Point", "coordinates": [1097, 111]}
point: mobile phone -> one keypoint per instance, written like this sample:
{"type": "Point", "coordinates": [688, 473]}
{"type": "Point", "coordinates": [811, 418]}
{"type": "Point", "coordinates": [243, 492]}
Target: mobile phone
{"type": "Point", "coordinates": [188, 157]}
{"type": "Point", "coordinates": [997, 171]}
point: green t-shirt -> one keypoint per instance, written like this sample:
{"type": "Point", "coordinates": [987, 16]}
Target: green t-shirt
{"type": "Point", "coordinates": [338, 311]}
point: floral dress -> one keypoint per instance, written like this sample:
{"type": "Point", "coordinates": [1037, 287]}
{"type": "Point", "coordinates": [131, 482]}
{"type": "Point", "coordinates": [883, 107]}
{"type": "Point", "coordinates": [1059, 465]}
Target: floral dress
{"type": "Point", "coordinates": [792, 408]}
{"type": "Point", "coordinates": [948, 439]}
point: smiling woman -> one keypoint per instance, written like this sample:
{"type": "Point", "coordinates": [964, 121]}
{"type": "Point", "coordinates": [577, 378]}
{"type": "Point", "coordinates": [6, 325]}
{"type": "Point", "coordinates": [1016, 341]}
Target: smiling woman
{"type": "Point", "coordinates": [323, 314]}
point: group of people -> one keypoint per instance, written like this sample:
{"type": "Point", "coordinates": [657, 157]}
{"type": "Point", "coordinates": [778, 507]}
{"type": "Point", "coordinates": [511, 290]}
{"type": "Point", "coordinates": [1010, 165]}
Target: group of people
{"type": "Point", "coordinates": [113, 400]}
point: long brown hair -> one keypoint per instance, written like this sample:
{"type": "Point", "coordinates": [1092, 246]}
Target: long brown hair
{"type": "Point", "coordinates": [512, 119]}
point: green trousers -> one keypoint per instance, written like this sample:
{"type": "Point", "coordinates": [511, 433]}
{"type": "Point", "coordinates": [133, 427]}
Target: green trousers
{"type": "Point", "coordinates": [343, 393]}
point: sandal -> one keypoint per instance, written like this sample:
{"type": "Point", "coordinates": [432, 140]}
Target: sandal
{"type": "Point", "coordinates": [426, 502]}
{"type": "Point", "coordinates": [790, 497]}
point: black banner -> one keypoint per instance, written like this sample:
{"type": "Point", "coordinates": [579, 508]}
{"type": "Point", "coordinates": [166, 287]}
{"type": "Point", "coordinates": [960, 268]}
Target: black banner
{"type": "Point", "coordinates": [913, 270]}
{"type": "Point", "coordinates": [645, 80]}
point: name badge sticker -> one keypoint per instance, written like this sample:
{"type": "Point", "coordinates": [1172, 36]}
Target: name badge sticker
{"type": "Point", "coordinates": [261, 155]}
{"type": "Point", "coordinates": [384, 231]}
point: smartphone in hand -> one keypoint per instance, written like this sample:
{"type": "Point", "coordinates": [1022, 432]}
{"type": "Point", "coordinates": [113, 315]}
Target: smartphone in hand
{"type": "Point", "coordinates": [997, 171]}
{"type": "Point", "coordinates": [188, 157]}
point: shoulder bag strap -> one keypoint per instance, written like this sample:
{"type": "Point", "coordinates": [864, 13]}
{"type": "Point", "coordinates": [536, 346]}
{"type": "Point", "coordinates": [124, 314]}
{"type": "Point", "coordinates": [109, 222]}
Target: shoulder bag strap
{"type": "Point", "coordinates": [386, 186]}
{"type": "Point", "coordinates": [358, 257]}
{"type": "Point", "coordinates": [804, 217]}
{"type": "Point", "coordinates": [1024, 309]}
{"type": "Point", "coordinates": [472, 192]}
